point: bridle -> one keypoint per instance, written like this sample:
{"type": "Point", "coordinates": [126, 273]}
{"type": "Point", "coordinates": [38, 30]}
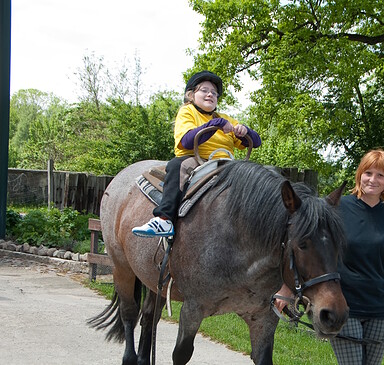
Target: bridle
{"type": "Point", "coordinates": [299, 297]}
{"type": "Point", "coordinates": [295, 314]}
{"type": "Point", "coordinates": [299, 288]}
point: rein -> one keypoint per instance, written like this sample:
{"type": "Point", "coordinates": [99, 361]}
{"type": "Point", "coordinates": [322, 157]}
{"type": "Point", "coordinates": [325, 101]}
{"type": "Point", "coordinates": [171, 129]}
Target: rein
{"type": "Point", "coordinates": [167, 243]}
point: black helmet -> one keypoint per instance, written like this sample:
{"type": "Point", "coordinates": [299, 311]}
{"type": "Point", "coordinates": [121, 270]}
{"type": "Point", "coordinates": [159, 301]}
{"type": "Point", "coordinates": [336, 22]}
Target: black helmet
{"type": "Point", "coordinates": [201, 76]}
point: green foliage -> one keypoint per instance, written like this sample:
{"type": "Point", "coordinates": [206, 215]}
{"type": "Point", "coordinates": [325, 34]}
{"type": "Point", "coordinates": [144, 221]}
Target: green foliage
{"type": "Point", "coordinates": [12, 219]}
{"type": "Point", "coordinates": [101, 140]}
{"type": "Point", "coordinates": [34, 130]}
{"type": "Point", "coordinates": [140, 133]}
{"type": "Point", "coordinates": [51, 227]}
{"type": "Point", "coordinates": [317, 69]}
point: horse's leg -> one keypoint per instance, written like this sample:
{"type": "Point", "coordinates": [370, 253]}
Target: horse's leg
{"type": "Point", "coordinates": [129, 289]}
{"type": "Point", "coordinates": [148, 311]}
{"type": "Point", "coordinates": [190, 320]}
{"type": "Point", "coordinates": [262, 328]}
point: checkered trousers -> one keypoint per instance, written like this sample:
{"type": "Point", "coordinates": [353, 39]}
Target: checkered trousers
{"type": "Point", "coordinates": [350, 353]}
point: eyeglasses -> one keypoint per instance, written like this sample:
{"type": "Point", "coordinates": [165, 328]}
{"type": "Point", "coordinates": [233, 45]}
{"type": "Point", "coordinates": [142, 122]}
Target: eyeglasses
{"type": "Point", "coordinates": [206, 91]}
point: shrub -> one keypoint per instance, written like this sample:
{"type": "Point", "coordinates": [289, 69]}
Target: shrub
{"type": "Point", "coordinates": [51, 227]}
{"type": "Point", "coordinates": [12, 220]}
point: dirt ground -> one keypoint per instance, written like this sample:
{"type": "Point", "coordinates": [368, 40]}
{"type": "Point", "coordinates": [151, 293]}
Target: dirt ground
{"type": "Point", "coordinates": [43, 315]}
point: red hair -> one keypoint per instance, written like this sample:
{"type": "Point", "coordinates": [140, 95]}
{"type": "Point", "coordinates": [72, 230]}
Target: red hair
{"type": "Point", "coordinates": [372, 159]}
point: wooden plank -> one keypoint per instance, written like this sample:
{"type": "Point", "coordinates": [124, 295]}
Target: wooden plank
{"type": "Point", "coordinates": [94, 224]}
{"type": "Point", "coordinates": [66, 189]}
{"type": "Point", "coordinates": [51, 199]}
{"type": "Point", "coordinates": [94, 258]}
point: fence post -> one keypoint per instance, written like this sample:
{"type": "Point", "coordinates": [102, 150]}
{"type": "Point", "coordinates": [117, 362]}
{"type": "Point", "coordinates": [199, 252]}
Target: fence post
{"type": "Point", "coordinates": [66, 190]}
{"type": "Point", "coordinates": [94, 247]}
{"type": "Point", "coordinates": [50, 183]}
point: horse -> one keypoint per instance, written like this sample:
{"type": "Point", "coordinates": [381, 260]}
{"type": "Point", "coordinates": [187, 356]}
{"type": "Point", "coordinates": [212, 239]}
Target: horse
{"type": "Point", "coordinates": [249, 233]}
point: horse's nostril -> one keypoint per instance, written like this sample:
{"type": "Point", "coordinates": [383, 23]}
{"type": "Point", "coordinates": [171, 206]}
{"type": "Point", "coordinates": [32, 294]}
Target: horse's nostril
{"type": "Point", "coordinates": [327, 317]}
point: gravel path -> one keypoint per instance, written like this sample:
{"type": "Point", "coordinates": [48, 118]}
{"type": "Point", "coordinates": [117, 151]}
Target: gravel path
{"type": "Point", "coordinates": [43, 314]}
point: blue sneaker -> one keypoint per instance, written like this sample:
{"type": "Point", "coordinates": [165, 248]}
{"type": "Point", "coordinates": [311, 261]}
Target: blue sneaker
{"type": "Point", "coordinates": [156, 227]}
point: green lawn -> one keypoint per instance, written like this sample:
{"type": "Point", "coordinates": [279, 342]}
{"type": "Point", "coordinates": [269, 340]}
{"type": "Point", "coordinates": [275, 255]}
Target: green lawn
{"type": "Point", "coordinates": [293, 345]}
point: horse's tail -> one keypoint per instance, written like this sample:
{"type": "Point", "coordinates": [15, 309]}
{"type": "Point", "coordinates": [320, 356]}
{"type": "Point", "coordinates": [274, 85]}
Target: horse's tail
{"type": "Point", "coordinates": [111, 315]}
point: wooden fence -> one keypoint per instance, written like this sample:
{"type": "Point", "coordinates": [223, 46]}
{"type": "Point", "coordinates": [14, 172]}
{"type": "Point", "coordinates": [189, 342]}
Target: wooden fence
{"type": "Point", "coordinates": [83, 192]}
{"type": "Point", "coordinates": [94, 257]}
{"type": "Point", "coordinates": [309, 177]}
{"type": "Point", "coordinates": [60, 189]}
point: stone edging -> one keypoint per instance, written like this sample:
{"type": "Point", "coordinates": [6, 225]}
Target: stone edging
{"type": "Point", "coordinates": [66, 260]}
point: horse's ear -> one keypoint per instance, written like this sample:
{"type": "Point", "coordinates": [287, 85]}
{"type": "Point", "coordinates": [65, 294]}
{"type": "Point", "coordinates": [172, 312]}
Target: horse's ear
{"type": "Point", "coordinates": [334, 197]}
{"type": "Point", "coordinates": [290, 199]}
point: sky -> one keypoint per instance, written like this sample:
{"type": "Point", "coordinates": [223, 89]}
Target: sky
{"type": "Point", "coordinates": [49, 39]}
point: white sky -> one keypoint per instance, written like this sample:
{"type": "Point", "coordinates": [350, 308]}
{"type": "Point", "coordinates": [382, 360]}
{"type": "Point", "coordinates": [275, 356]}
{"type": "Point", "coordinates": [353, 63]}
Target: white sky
{"type": "Point", "coordinates": [50, 37]}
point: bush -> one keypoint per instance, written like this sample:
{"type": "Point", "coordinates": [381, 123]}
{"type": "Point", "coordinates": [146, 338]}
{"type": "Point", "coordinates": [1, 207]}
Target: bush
{"type": "Point", "coordinates": [54, 228]}
{"type": "Point", "coordinates": [12, 220]}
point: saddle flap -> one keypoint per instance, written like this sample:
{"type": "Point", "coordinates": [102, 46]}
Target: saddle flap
{"type": "Point", "coordinates": [155, 181]}
{"type": "Point", "coordinates": [158, 172]}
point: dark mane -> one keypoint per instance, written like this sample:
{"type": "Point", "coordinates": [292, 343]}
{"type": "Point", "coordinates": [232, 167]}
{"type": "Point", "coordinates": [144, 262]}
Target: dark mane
{"type": "Point", "coordinates": [254, 203]}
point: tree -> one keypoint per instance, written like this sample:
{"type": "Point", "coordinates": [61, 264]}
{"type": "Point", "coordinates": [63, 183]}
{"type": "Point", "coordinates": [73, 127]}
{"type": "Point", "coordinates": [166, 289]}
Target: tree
{"type": "Point", "coordinates": [99, 83]}
{"type": "Point", "coordinates": [138, 132]}
{"type": "Point", "coordinates": [137, 80]}
{"type": "Point", "coordinates": [46, 139]}
{"type": "Point", "coordinates": [92, 79]}
{"type": "Point", "coordinates": [26, 108]}
{"type": "Point", "coordinates": [317, 62]}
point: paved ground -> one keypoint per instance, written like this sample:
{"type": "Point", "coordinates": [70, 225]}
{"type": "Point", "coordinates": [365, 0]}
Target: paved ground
{"type": "Point", "coordinates": [43, 314]}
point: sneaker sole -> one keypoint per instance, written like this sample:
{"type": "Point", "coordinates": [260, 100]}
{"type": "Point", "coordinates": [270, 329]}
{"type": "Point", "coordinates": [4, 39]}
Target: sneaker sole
{"type": "Point", "coordinates": [149, 235]}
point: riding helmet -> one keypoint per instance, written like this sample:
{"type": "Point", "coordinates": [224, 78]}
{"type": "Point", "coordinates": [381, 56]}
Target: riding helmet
{"type": "Point", "coordinates": [201, 76]}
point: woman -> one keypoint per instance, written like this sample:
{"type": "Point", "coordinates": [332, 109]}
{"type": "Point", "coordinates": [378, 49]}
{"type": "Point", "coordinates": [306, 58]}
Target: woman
{"type": "Point", "coordinates": [198, 112]}
{"type": "Point", "coordinates": [362, 265]}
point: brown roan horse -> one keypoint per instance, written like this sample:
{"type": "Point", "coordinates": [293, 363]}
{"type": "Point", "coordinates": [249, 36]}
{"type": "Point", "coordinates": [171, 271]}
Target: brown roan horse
{"type": "Point", "coordinates": [250, 232]}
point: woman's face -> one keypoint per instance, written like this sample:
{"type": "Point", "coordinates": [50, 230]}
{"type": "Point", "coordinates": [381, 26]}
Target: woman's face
{"type": "Point", "coordinates": [206, 96]}
{"type": "Point", "coordinates": [372, 181]}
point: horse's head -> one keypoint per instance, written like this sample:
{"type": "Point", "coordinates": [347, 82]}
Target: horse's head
{"type": "Point", "coordinates": [314, 238]}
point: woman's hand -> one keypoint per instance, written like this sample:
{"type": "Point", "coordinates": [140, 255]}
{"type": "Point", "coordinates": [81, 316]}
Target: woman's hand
{"type": "Point", "coordinates": [284, 292]}
{"type": "Point", "coordinates": [240, 130]}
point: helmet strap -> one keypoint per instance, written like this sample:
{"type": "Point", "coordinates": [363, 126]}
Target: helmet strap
{"type": "Point", "coordinates": [203, 111]}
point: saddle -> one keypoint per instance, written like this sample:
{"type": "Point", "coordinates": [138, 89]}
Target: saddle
{"type": "Point", "coordinates": [195, 180]}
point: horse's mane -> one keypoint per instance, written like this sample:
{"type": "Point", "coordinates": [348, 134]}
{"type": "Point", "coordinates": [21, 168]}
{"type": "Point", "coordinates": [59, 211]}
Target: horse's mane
{"type": "Point", "coordinates": [254, 203]}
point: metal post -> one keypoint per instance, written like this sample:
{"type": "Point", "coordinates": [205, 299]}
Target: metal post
{"type": "Point", "coordinates": [5, 66]}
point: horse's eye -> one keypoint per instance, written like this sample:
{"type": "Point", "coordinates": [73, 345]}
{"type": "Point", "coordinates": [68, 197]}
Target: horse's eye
{"type": "Point", "coordinates": [303, 245]}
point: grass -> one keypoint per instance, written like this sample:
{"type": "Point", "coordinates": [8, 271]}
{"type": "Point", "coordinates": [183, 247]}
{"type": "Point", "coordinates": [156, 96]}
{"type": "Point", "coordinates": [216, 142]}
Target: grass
{"type": "Point", "coordinates": [293, 346]}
